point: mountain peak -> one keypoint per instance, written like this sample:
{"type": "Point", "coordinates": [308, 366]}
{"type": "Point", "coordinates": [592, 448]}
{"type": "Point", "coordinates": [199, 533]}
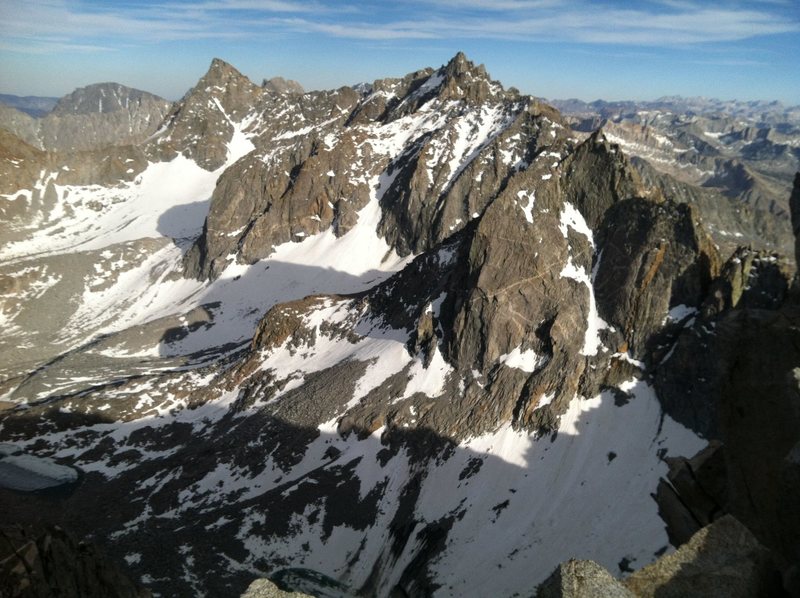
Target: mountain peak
{"type": "Point", "coordinates": [103, 98]}
{"type": "Point", "coordinates": [221, 71]}
{"type": "Point", "coordinates": [460, 65]}
{"type": "Point", "coordinates": [201, 122]}
{"type": "Point", "coordinates": [464, 80]}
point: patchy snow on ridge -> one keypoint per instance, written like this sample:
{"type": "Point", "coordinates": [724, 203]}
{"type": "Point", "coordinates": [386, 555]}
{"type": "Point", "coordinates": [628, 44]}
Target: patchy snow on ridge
{"type": "Point", "coordinates": [474, 132]}
{"type": "Point", "coordinates": [570, 217]}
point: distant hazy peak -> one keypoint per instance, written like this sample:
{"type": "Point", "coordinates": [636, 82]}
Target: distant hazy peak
{"type": "Point", "coordinates": [281, 85]}
{"type": "Point", "coordinates": [103, 98]}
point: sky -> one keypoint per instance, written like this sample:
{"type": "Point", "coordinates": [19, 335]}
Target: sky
{"type": "Point", "coordinates": [586, 49]}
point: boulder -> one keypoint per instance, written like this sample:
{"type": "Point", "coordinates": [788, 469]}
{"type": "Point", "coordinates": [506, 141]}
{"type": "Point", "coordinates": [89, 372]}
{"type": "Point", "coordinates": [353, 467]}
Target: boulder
{"type": "Point", "coordinates": [264, 588]}
{"type": "Point", "coordinates": [722, 560]}
{"type": "Point", "coordinates": [582, 579]}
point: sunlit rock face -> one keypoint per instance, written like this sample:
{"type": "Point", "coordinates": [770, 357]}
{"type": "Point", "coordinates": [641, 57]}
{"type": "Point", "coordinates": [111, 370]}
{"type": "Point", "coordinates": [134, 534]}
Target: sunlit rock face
{"type": "Point", "coordinates": [413, 336]}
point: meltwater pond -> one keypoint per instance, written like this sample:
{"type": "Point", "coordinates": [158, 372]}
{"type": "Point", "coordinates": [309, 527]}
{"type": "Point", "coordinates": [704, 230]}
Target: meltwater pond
{"type": "Point", "coordinates": [28, 473]}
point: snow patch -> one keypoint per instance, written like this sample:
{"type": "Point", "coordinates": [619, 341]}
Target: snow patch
{"type": "Point", "coordinates": [527, 360]}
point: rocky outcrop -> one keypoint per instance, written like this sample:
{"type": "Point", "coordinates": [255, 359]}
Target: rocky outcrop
{"type": "Point", "coordinates": [435, 188]}
{"type": "Point", "coordinates": [731, 374]}
{"type": "Point", "coordinates": [733, 160]}
{"type": "Point", "coordinates": [20, 124]}
{"type": "Point", "coordinates": [582, 579]}
{"type": "Point", "coordinates": [729, 221]}
{"type": "Point", "coordinates": [722, 560]}
{"type": "Point", "coordinates": [50, 562]}
{"type": "Point", "coordinates": [264, 588]}
{"type": "Point", "coordinates": [255, 208]}
{"type": "Point", "coordinates": [593, 195]}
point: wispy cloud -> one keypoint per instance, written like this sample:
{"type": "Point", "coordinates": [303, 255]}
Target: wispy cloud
{"type": "Point", "coordinates": [619, 27]}
{"type": "Point", "coordinates": [51, 47]}
{"type": "Point", "coordinates": [733, 62]}
{"type": "Point", "coordinates": [58, 25]}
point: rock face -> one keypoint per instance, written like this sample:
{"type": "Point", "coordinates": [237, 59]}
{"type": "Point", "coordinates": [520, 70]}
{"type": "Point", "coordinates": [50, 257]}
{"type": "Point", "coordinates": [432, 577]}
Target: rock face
{"type": "Point", "coordinates": [20, 124]}
{"type": "Point", "coordinates": [723, 559]}
{"type": "Point", "coordinates": [90, 118]}
{"type": "Point", "coordinates": [731, 374]}
{"type": "Point", "coordinates": [655, 257]}
{"type": "Point", "coordinates": [299, 187]}
{"type": "Point", "coordinates": [39, 564]}
{"type": "Point", "coordinates": [729, 221]}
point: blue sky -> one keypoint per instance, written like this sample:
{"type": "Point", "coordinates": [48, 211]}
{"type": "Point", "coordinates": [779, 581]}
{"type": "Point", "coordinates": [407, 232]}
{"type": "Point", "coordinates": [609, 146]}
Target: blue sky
{"type": "Point", "coordinates": [610, 49]}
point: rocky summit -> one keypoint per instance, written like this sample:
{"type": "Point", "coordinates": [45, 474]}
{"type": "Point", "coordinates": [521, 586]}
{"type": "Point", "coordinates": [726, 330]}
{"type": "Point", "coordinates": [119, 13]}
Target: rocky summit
{"type": "Point", "coordinates": [417, 337]}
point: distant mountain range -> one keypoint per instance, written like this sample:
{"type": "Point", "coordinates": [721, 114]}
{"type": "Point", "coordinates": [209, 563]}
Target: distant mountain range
{"type": "Point", "coordinates": [698, 149]}
{"type": "Point", "coordinates": [757, 111]}
{"type": "Point", "coordinates": [36, 106]}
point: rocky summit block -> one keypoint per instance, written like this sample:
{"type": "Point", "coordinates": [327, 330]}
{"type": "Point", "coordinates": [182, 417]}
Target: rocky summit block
{"type": "Point", "coordinates": [582, 579]}
{"type": "Point", "coordinates": [264, 588]}
{"type": "Point", "coordinates": [722, 560]}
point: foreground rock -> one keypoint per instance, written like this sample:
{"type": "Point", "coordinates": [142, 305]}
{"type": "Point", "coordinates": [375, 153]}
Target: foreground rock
{"type": "Point", "coordinates": [582, 579]}
{"type": "Point", "coordinates": [723, 560]}
{"type": "Point", "coordinates": [50, 562]}
{"type": "Point", "coordinates": [264, 588]}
